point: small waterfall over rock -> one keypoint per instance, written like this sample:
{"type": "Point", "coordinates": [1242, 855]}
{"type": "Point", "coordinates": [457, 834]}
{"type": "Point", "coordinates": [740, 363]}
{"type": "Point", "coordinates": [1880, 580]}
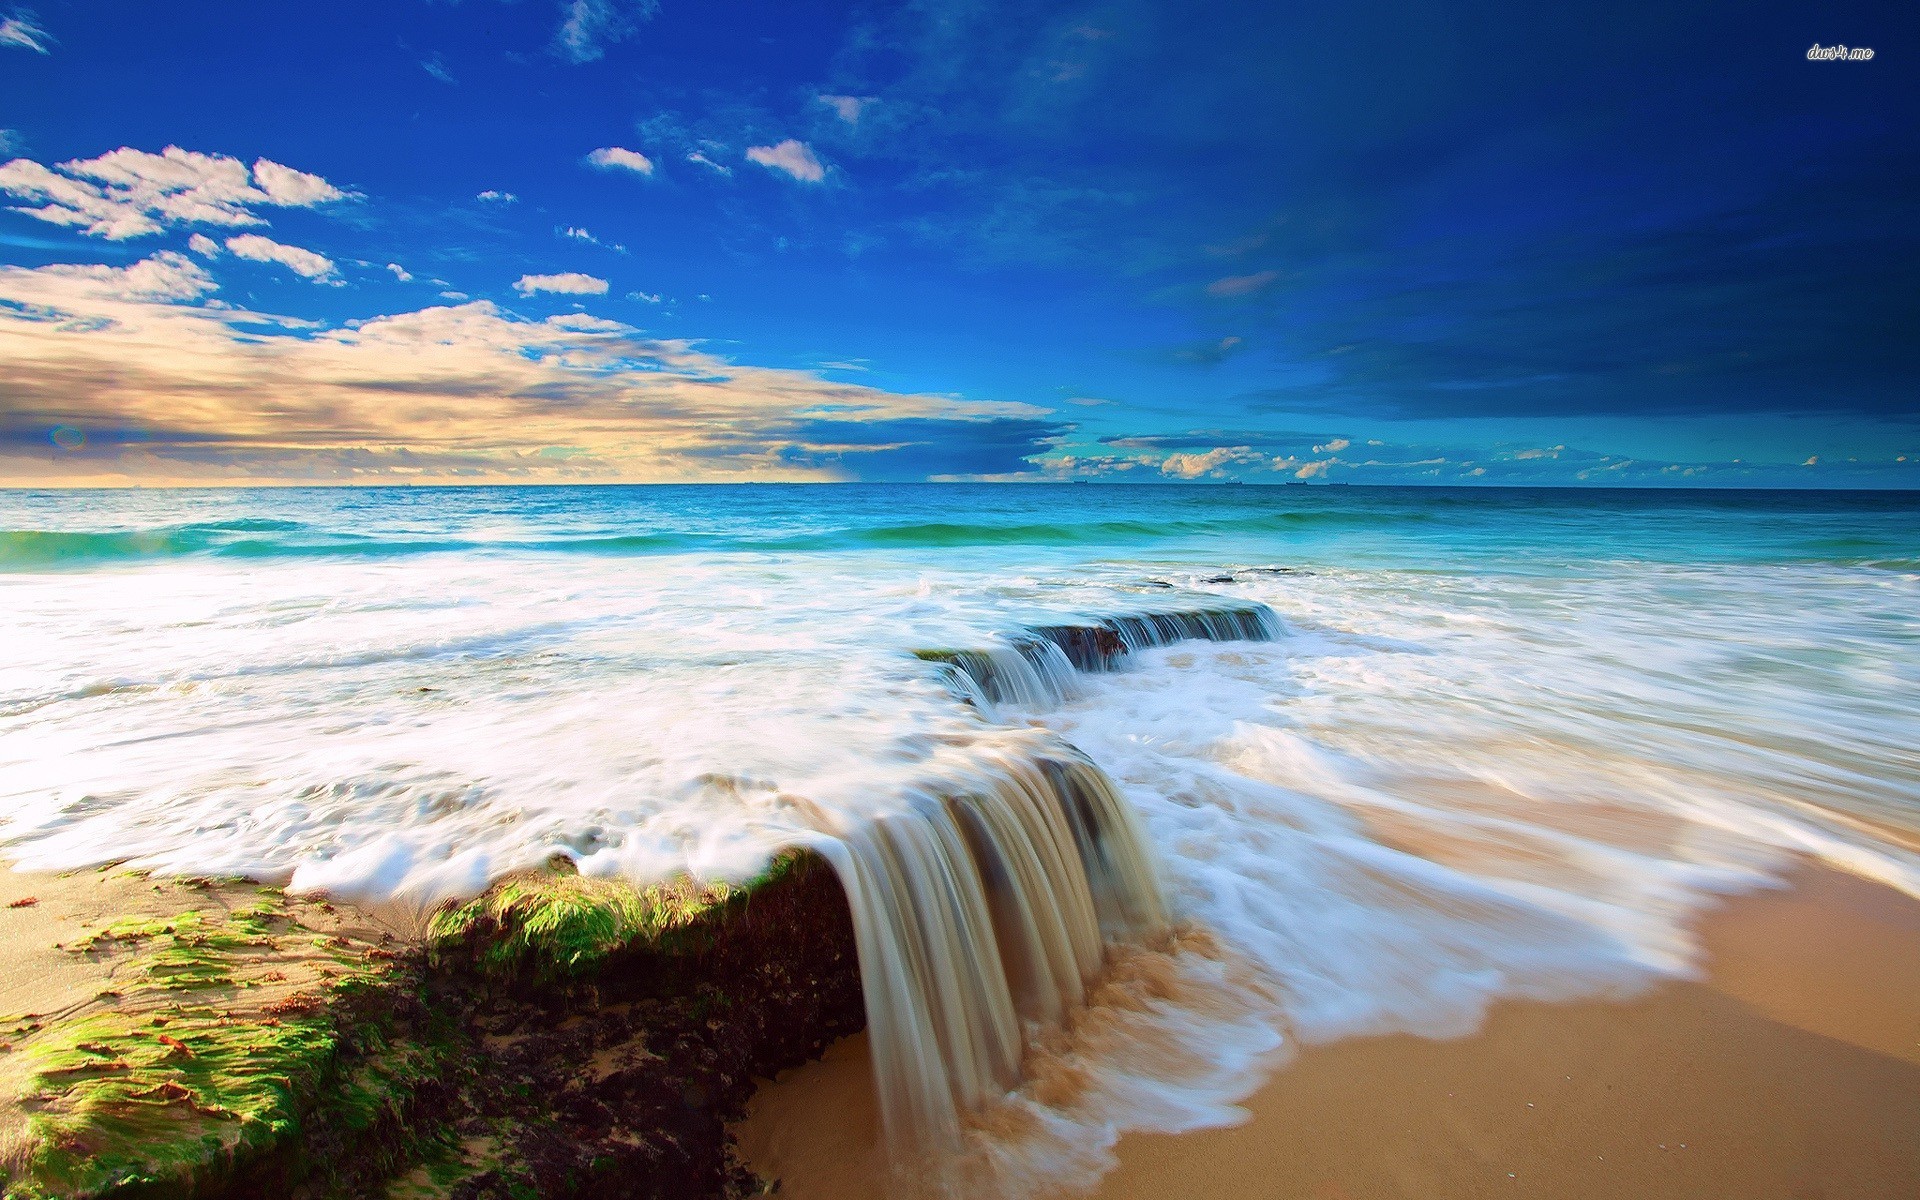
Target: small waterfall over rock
{"type": "Point", "coordinates": [983, 905]}
{"type": "Point", "coordinates": [1035, 667]}
{"type": "Point", "coordinates": [984, 902]}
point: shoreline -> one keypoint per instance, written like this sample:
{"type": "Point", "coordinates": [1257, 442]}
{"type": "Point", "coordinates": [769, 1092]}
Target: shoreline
{"type": "Point", "coordinates": [1790, 1068]}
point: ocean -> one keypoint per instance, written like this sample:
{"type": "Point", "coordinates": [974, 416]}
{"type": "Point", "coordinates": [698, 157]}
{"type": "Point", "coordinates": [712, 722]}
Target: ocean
{"type": "Point", "coordinates": [1387, 756]}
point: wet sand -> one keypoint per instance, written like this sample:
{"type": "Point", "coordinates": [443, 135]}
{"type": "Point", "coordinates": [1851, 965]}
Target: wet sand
{"type": "Point", "coordinates": [44, 984]}
{"type": "Point", "coordinates": [1791, 1070]}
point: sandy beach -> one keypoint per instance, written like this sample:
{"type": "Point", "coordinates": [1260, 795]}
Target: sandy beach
{"type": "Point", "coordinates": [1791, 1069]}
{"type": "Point", "coordinates": [62, 965]}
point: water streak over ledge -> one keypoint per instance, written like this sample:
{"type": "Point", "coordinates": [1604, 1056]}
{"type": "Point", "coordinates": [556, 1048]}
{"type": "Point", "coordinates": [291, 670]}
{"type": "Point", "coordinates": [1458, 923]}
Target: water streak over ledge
{"type": "Point", "coordinates": [1035, 667]}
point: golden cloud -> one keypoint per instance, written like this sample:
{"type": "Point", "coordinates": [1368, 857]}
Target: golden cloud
{"type": "Point", "coordinates": [150, 380]}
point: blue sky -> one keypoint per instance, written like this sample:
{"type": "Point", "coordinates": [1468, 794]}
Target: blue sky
{"type": "Point", "coordinates": [608, 239]}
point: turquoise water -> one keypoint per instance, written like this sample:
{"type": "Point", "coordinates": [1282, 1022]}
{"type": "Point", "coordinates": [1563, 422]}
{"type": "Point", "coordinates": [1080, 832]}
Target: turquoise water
{"type": "Point", "coordinates": [1417, 527]}
{"type": "Point", "coordinates": [1507, 743]}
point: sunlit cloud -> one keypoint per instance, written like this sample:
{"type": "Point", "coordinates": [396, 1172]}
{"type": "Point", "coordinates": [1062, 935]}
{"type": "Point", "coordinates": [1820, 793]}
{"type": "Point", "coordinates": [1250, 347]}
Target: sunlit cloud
{"type": "Point", "coordinates": [793, 157]}
{"type": "Point", "coordinates": [164, 383]}
{"type": "Point", "coordinates": [305, 263]}
{"type": "Point", "coordinates": [619, 158]}
{"type": "Point", "coordinates": [847, 108]}
{"type": "Point", "coordinates": [567, 283]}
{"type": "Point", "coordinates": [1216, 462]}
{"type": "Point", "coordinates": [86, 293]}
{"type": "Point", "coordinates": [22, 30]}
{"type": "Point", "coordinates": [576, 233]}
{"type": "Point", "coordinates": [129, 193]}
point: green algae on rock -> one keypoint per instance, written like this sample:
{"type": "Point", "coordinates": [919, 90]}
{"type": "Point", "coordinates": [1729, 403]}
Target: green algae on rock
{"type": "Point", "coordinates": [231, 1046]}
{"type": "Point", "coordinates": [615, 1031]}
{"type": "Point", "coordinates": [559, 924]}
{"type": "Point", "coordinates": [556, 1036]}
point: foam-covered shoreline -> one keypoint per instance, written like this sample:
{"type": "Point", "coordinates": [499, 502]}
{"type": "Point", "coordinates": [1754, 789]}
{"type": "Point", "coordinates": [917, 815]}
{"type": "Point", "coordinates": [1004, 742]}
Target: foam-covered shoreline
{"type": "Point", "coordinates": [1455, 779]}
{"type": "Point", "coordinates": [1786, 1068]}
{"type": "Point", "coordinates": [1029, 877]}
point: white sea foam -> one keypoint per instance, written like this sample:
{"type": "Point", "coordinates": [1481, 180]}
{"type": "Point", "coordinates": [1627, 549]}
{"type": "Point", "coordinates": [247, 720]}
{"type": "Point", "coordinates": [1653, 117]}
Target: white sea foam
{"type": "Point", "coordinates": [1441, 791]}
{"type": "Point", "coordinates": [1436, 790]}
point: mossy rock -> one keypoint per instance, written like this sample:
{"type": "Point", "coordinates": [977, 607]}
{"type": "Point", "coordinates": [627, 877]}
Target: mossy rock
{"type": "Point", "coordinates": [558, 925]}
{"type": "Point", "coordinates": [230, 1040]}
{"type": "Point", "coordinates": [557, 1036]}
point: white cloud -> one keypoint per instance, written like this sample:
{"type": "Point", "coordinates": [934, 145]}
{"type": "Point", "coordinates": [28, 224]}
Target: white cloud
{"type": "Point", "coordinates": [68, 289]}
{"type": "Point", "coordinates": [11, 142]}
{"type": "Point", "coordinates": [450, 295]}
{"type": "Point", "coordinates": [703, 160]}
{"type": "Point", "coordinates": [128, 193]}
{"type": "Point", "coordinates": [204, 246]}
{"type": "Point", "coordinates": [1193, 466]}
{"type": "Point", "coordinates": [301, 262]}
{"type": "Point", "coordinates": [578, 234]}
{"type": "Point", "coordinates": [293, 189]}
{"type": "Point", "coordinates": [400, 272]}
{"type": "Point", "coordinates": [436, 66]}
{"type": "Point", "coordinates": [492, 197]}
{"type": "Point", "coordinates": [22, 30]}
{"type": "Point", "coordinates": [568, 283]}
{"type": "Point", "coordinates": [619, 158]}
{"type": "Point", "coordinates": [592, 23]}
{"type": "Point", "coordinates": [794, 157]}
{"type": "Point", "coordinates": [1333, 447]}
{"type": "Point", "coordinates": [1071, 466]}
{"type": "Point", "coordinates": [847, 108]}
{"type": "Point", "coordinates": [647, 297]}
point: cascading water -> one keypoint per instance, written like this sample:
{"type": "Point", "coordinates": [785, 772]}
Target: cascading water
{"type": "Point", "coordinates": [1035, 668]}
{"type": "Point", "coordinates": [983, 906]}
{"type": "Point", "coordinates": [984, 903]}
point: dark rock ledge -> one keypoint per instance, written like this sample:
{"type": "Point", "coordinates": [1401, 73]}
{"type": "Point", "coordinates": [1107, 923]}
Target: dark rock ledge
{"type": "Point", "coordinates": [558, 1037]}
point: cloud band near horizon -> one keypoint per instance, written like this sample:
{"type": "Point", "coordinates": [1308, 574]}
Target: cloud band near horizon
{"type": "Point", "coordinates": [154, 381]}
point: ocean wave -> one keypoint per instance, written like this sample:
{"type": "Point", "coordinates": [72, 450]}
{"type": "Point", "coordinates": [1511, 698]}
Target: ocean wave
{"type": "Point", "coordinates": [33, 548]}
{"type": "Point", "coordinates": [266, 539]}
